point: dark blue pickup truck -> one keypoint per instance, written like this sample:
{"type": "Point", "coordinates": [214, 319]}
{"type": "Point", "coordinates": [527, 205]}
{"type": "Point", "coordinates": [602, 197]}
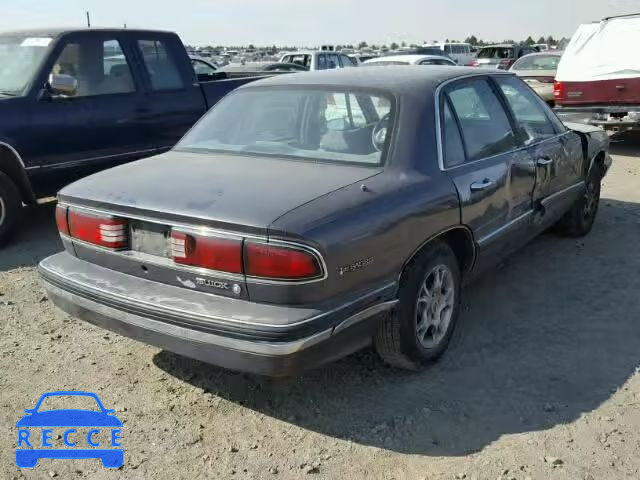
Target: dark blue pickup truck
{"type": "Point", "coordinates": [73, 102]}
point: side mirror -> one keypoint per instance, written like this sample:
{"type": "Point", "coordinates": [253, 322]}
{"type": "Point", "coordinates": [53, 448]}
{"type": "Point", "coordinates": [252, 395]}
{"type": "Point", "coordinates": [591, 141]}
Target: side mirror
{"type": "Point", "coordinates": [63, 85]}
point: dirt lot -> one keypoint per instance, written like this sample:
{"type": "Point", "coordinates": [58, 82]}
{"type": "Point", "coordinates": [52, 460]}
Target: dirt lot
{"type": "Point", "coordinates": [542, 380]}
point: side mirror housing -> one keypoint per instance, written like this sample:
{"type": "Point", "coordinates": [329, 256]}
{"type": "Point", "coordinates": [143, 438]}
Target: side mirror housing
{"type": "Point", "coordinates": [63, 85]}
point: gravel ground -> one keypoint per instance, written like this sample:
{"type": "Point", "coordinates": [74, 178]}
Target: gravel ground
{"type": "Point", "coordinates": [541, 381]}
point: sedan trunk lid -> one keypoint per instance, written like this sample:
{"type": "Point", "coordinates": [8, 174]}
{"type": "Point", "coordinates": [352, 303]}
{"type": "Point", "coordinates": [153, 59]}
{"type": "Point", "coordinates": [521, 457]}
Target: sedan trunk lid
{"type": "Point", "coordinates": [245, 193]}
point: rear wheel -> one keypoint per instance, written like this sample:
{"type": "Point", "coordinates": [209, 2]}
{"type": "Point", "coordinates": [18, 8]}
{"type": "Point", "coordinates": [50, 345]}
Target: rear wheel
{"type": "Point", "coordinates": [10, 203]}
{"type": "Point", "coordinates": [418, 332]}
{"type": "Point", "coordinates": [578, 221]}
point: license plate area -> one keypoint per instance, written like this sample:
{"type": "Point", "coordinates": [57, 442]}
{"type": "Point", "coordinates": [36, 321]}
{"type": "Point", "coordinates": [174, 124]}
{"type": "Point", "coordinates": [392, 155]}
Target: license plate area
{"type": "Point", "coordinates": [150, 238]}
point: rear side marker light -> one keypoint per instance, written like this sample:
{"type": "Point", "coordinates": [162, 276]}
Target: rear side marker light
{"type": "Point", "coordinates": [104, 231]}
{"type": "Point", "coordinates": [61, 220]}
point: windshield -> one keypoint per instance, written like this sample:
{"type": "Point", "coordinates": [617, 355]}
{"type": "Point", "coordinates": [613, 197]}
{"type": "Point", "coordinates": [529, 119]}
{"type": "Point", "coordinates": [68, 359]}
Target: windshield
{"type": "Point", "coordinates": [496, 52]}
{"type": "Point", "coordinates": [309, 124]}
{"type": "Point", "coordinates": [19, 59]}
{"type": "Point", "coordinates": [537, 62]}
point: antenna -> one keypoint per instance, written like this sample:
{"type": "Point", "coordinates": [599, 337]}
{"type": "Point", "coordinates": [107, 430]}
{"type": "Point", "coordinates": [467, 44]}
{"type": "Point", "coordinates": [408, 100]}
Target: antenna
{"type": "Point", "coordinates": [88, 19]}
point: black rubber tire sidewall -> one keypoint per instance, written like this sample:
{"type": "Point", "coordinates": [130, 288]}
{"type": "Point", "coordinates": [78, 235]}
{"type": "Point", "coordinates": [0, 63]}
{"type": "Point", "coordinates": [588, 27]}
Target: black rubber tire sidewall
{"type": "Point", "coordinates": [12, 202]}
{"type": "Point", "coordinates": [438, 254]}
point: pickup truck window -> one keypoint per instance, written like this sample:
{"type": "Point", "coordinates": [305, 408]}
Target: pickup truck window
{"type": "Point", "coordinates": [161, 66]}
{"type": "Point", "coordinates": [100, 67]}
{"type": "Point", "coordinates": [19, 60]}
{"type": "Point", "coordinates": [306, 125]}
{"type": "Point", "coordinates": [484, 123]}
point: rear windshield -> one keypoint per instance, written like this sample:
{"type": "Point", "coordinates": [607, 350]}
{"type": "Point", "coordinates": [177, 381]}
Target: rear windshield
{"type": "Point", "coordinates": [307, 124]}
{"type": "Point", "coordinates": [537, 62]}
{"type": "Point", "coordinates": [496, 52]}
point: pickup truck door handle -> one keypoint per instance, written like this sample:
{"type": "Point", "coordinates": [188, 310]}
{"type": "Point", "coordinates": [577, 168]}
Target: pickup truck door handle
{"type": "Point", "coordinates": [483, 185]}
{"type": "Point", "coordinates": [544, 161]}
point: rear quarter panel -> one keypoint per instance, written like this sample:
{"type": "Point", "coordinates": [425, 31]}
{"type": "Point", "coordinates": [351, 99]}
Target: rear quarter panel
{"type": "Point", "coordinates": [366, 237]}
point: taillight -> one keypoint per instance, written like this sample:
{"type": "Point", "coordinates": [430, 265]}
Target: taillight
{"type": "Point", "coordinates": [61, 219]}
{"type": "Point", "coordinates": [474, 63]}
{"type": "Point", "coordinates": [559, 90]}
{"type": "Point", "coordinates": [221, 254]}
{"type": "Point", "coordinates": [280, 262]}
{"type": "Point", "coordinates": [505, 64]}
{"type": "Point", "coordinates": [105, 231]}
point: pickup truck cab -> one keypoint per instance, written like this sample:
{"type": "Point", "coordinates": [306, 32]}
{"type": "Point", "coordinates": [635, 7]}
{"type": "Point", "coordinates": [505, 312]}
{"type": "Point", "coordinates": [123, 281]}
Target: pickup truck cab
{"type": "Point", "coordinates": [73, 102]}
{"type": "Point", "coordinates": [320, 60]}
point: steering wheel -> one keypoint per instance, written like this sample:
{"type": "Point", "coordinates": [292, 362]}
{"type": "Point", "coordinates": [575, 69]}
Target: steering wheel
{"type": "Point", "coordinates": [379, 132]}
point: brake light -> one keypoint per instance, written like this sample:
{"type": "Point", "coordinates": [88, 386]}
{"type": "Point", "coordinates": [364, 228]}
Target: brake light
{"type": "Point", "coordinates": [278, 262]}
{"type": "Point", "coordinates": [559, 90]}
{"type": "Point", "coordinates": [109, 232]}
{"type": "Point", "coordinates": [474, 63]}
{"type": "Point", "coordinates": [221, 254]}
{"type": "Point", "coordinates": [61, 219]}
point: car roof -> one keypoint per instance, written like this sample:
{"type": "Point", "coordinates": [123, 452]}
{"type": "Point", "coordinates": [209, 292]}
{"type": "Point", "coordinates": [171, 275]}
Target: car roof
{"type": "Point", "coordinates": [56, 32]}
{"type": "Point", "coordinates": [546, 53]}
{"type": "Point", "coordinates": [402, 79]}
{"type": "Point", "coordinates": [407, 58]}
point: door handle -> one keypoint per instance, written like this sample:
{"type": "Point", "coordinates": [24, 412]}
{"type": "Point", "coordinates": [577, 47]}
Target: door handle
{"type": "Point", "coordinates": [483, 185]}
{"type": "Point", "coordinates": [544, 161]}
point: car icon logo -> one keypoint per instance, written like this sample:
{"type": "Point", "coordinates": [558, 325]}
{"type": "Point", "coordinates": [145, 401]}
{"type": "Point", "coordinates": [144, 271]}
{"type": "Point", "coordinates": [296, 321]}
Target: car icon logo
{"type": "Point", "coordinates": [32, 447]}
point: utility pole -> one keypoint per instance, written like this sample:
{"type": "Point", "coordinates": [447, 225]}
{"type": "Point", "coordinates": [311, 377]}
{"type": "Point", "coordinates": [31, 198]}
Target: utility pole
{"type": "Point", "coordinates": [88, 19]}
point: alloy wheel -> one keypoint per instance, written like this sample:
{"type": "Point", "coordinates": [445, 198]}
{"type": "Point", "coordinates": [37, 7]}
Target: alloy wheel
{"type": "Point", "coordinates": [435, 306]}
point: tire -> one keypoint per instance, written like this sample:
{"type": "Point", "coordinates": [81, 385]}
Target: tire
{"type": "Point", "coordinates": [401, 339]}
{"type": "Point", "coordinates": [10, 203]}
{"type": "Point", "coordinates": [578, 221]}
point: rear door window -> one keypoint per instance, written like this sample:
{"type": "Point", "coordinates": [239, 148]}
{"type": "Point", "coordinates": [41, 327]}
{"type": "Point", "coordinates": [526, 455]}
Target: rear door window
{"type": "Point", "coordinates": [454, 153]}
{"type": "Point", "coordinates": [527, 108]}
{"type": "Point", "coordinates": [161, 65]}
{"type": "Point", "coordinates": [486, 129]}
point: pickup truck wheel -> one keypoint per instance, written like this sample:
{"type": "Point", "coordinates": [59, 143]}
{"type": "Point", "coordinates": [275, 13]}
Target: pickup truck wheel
{"type": "Point", "coordinates": [418, 332]}
{"type": "Point", "coordinates": [9, 206]}
{"type": "Point", "coordinates": [578, 221]}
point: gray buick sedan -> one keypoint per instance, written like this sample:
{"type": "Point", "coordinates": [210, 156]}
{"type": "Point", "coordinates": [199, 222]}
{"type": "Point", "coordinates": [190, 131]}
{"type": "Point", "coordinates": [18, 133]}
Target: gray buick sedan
{"type": "Point", "coordinates": [307, 216]}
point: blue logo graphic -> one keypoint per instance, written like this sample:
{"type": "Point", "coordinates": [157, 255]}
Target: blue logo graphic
{"type": "Point", "coordinates": [32, 448]}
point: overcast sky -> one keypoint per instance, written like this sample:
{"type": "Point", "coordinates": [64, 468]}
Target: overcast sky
{"type": "Point", "coordinates": [314, 22]}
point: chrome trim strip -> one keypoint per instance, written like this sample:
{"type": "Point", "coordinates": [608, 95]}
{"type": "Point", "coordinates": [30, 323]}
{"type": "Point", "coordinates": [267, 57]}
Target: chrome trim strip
{"type": "Point", "coordinates": [15, 152]}
{"type": "Point", "coordinates": [207, 318]}
{"type": "Point", "coordinates": [364, 314]}
{"type": "Point", "coordinates": [562, 192]}
{"type": "Point", "coordinates": [506, 226]}
{"type": "Point", "coordinates": [212, 232]}
{"type": "Point", "coordinates": [92, 159]}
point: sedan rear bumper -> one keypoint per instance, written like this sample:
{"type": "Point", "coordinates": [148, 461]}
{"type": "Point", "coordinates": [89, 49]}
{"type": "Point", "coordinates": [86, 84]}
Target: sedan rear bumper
{"type": "Point", "coordinates": [247, 348]}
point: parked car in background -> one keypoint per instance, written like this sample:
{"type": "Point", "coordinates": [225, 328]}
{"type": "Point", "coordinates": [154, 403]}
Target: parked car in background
{"type": "Point", "coordinates": [202, 66]}
{"type": "Point", "coordinates": [351, 230]}
{"type": "Point", "coordinates": [542, 47]}
{"type": "Point", "coordinates": [260, 68]}
{"type": "Point", "coordinates": [460, 53]}
{"type": "Point", "coordinates": [598, 79]}
{"type": "Point", "coordinates": [539, 71]}
{"type": "Point", "coordinates": [410, 60]}
{"type": "Point", "coordinates": [319, 60]}
{"type": "Point", "coordinates": [73, 102]}
{"type": "Point", "coordinates": [501, 56]}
